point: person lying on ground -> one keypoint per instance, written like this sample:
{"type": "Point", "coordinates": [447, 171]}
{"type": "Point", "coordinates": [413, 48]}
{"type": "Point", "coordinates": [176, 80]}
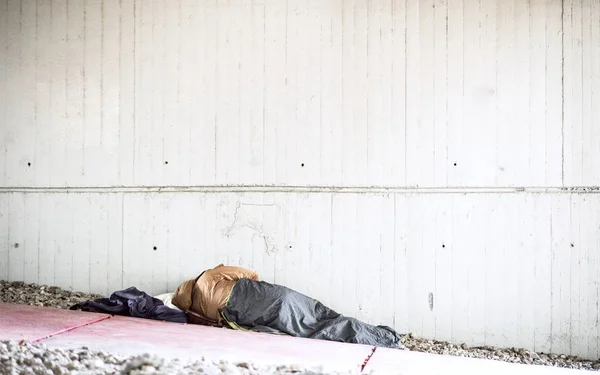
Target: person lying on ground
{"type": "Point", "coordinates": [235, 297]}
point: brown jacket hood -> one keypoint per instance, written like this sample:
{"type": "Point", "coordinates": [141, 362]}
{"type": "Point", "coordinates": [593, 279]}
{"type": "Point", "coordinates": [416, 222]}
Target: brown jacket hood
{"type": "Point", "coordinates": [183, 295]}
{"type": "Point", "coordinates": [209, 292]}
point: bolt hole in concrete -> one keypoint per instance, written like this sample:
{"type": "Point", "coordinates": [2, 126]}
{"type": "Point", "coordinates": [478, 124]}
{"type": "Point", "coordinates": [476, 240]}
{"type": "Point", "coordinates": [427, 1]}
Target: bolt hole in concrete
{"type": "Point", "coordinates": [154, 248]}
{"type": "Point", "coordinates": [572, 245]}
{"type": "Point", "coordinates": [16, 245]}
{"type": "Point", "coordinates": [29, 164]}
{"type": "Point", "coordinates": [455, 164]}
{"type": "Point", "coordinates": [302, 165]}
{"type": "Point", "coordinates": [166, 162]}
{"type": "Point", "coordinates": [443, 245]}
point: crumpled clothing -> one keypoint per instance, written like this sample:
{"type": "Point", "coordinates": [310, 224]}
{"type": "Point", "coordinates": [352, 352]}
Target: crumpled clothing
{"type": "Point", "coordinates": [135, 303]}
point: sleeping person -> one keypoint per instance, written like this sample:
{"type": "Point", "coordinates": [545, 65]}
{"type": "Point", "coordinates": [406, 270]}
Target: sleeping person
{"type": "Point", "coordinates": [235, 297]}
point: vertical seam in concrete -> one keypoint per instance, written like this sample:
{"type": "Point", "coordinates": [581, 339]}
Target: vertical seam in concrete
{"type": "Point", "coordinates": [68, 329]}
{"type": "Point", "coordinates": [102, 36]}
{"type": "Point", "coordinates": [405, 92]}
{"type": "Point", "coordinates": [216, 77]}
{"type": "Point", "coordinates": [134, 109]}
{"type": "Point", "coordinates": [8, 238]}
{"type": "Point", "coordinates": [562, 122]}
{"type": "Point", "coordinates": [5, 110]}
{"type": "Point", "coordinates": [122, 239]}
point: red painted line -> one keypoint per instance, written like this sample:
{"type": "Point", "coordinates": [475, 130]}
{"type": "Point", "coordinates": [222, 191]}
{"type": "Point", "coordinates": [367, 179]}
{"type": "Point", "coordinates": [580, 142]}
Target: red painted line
{"type": "Point", "coordinates": [71, 328]}
{"type": "Point", "coordinates": [364, 364]}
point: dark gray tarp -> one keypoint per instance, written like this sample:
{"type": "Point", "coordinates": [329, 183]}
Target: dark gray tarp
{"type": "Point", "coordinates": [265, 307]}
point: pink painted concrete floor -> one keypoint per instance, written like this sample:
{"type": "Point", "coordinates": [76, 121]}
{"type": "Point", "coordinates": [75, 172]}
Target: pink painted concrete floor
{"type": "Point", "coordinates": [18, 322]}
{"type": "Point", "coordinates": [123, 335]}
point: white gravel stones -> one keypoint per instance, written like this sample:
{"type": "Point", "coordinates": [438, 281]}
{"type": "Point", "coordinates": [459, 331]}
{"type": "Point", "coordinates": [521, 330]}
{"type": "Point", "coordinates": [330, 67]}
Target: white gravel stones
{"type": "Point", "coordinates": [513, 355]}
{"type": "Point", "coordinates": [41, 295]}
{"type": "Point", "coordinates": [30, 358]}
{"type": "Point", "coordinates": [36, 359]}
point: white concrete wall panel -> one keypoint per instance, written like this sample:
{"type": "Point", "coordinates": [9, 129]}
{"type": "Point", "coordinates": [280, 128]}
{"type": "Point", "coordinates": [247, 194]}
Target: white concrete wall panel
{"type": "Point", "coordinates": [368, 153]}
{"type": "Point", "coordinates": [73, 241]}
{"type": "Point", "coordinates": [582, 92]}
{"type": "Point", "coordinates": [502, 269]}
{"type": "Point", "coordinates": [362, 93]}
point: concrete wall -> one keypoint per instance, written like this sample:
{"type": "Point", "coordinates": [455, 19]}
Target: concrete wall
{"type": "Point", "coordinates": [411, 163]}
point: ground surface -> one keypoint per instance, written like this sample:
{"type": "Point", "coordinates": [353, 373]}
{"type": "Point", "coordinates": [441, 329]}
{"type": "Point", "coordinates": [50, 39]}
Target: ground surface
{"type": "Point", "coordinates": [32, 294]}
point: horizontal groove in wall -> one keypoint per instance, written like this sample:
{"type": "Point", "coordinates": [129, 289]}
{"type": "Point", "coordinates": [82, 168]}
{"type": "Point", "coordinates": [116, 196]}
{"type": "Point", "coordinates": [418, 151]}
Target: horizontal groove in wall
{"type": "Point", "coordinates": [301, 189]}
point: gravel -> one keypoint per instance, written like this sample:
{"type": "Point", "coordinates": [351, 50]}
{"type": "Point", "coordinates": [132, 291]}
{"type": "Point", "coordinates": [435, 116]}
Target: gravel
{"type": "Point", "coordinates": [41, 295]}
{"type": "Point", "coordinates": [36, 359]}
{"type": "Point", "coordinates": [512, 355]}
{"type": "Point", "coordinates": [27, 358]}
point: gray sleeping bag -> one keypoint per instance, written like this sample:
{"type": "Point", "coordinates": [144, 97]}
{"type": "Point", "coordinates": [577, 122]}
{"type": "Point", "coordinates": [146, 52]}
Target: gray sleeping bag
{"type": "Point", "coordinates": [265, 307]}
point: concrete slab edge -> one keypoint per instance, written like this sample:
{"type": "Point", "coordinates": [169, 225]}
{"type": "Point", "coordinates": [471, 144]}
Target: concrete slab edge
{"type": "Point", "coordinates": [68, 329]}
